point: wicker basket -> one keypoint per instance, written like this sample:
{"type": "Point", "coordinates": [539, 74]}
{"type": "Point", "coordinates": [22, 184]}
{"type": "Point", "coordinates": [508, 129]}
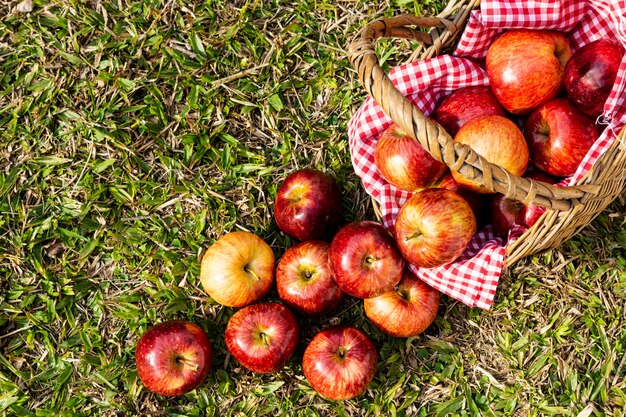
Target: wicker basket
{"type": "Point", "coordinates": [569, 209]}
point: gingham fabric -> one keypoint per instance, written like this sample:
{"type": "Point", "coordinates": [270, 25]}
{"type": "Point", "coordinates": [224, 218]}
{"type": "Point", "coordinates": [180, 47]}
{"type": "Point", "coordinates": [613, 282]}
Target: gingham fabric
{"type": "Point", "coordinates": [473, 278]}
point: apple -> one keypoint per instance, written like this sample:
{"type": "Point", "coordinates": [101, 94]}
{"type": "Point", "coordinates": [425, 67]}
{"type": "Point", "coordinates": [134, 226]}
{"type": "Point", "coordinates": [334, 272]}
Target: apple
{"type": "Point", "coordinates": [403, 162]}
{"type": "Point", "coordinates": [405, 311]}
{"type": "Point", "coordinates": [559, 136]}
{"type": "Point", "coordinates": [305, 280]}
{"type": "Point", "coordinates": [463, 105]}
{"type": "Point", "coordinates": [308, 205]}
{"type": "Point", "coordinates": [433, 227]}
{"type": "Point", "coordinates": [365, 259]}
{"type": "Point", "coordinates": [590, 74]}
{"type": "Point", "coordinates": [525, 67]}
{"type": "Point", "coordinates": [262, 337]}
{"type": "Point", "coordinates": [496, 139]}
{"type": "Point", "coordinates": [173, 357]}
{"type": "Point", "coordinates": [340, 362]}
{"type": "Point", "coordinates": [475, 200]}
{"type": "Point", "coordinates": [238, 269]}
{"type": "Point", "coordinates": [529, 214]}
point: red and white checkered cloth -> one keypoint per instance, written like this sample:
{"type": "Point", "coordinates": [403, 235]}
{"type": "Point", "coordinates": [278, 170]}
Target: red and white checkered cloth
{"type": "Point", "coordinates": [473, 278]}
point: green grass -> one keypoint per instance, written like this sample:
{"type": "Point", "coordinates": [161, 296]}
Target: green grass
{"type": "Point", "coordinates": [135, 133]}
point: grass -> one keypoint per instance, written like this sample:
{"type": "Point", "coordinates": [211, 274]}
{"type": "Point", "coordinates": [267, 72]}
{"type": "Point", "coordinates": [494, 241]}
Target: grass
{"type": "Point", "coordinates": [135, 133]}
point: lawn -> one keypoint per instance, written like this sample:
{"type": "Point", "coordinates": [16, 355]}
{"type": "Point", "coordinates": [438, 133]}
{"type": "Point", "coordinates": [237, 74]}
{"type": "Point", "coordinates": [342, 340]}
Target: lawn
{"type": "Point", "coordinates": [136, 133]}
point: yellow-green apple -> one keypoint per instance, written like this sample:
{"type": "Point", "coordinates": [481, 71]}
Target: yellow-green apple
{"type": "Point", "coordinates": [434, 227]}
{"type": "Point", "coordinates": [173, 357]}
{"type": "Point", "coordinates": [590, 74]}
{"type": "Point", "coordinates": [305, 280]}
{"type": "Point", "coordinates": [262, 337]}
{"type": "Point", "coordinates": [525, 67]}
{"type": "Point", "coordinates": [340, 362]}
{"type": "Point", "coordinates": [496, 139]}
{"type": "Point", "coordinates": [405, 311]}
{"type": "Point", "coordinates": [559, 136]}
{"type": "Point", "coordinates": [308, 205]}
{"type": "Point", "coordinates": [405, 163]}
{"type": "Point", "coordinates": [238, 269]}
{"type": "Point", "coordinates": [365, 259]}
{"type": "Point", "coordinates": [463, 105]}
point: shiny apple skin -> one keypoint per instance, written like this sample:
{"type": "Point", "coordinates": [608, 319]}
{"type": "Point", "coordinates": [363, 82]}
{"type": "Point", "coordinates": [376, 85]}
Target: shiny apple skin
{"type": "Point", "coordinates": [262, 337]}
{"type": "Point", "coordinates": [476, 201]}
{"type": "Point", "coordinates": [496, 139]}
{"type": "Point", "coordinates": [465, 104]}
{"type": "Point", "coordinates": [403, 162]}
{"type": "Point", "coordinates": [173, 357]}
{"type": "Point", "coordinates": [590, 74]}
{"type": "Point", "coordinates": [504, 213]}
{"type": "Point", "coordinates": [308, 205]}
{"type": "Point", "coordinates": [407, 310]}
{"type": "Point", "coordinates": [305, 280]}
{"type": "Point", "coordinates": [238, 269]}
{"type": "Point", "coordinates": [365, 259]}
{"type": "Point", "coordinates": [559, 136]}
{"type": "Point", "coordinates": [340, 362]}
{"type": "Point", "coordinates": [525, 68]}
{"type": "Point", "coordinates": [434, 227]}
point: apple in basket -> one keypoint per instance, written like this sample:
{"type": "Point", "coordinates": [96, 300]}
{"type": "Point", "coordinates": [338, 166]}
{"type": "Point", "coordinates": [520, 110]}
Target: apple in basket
{"type": "Point", "coordinates": [463, 105]}
{"type": "Point", "coordinates": [475, 200]}
{"type": "Point", "coordinates": [525, 67]}
{"type": "Point", "coordinates": [340, 362]}
{"type": "Point", "coordinates": [559, 136]}
{"type": "Point", "coordinates": [405, 311]}
{"type": "Point", "coordinates": [238, 269]}
{"type": "Point", "coordinates": [590, 74]}
{"type": "Point", "coordinates": [365, 259]}
{"type": "Point", "coordinates": [263, 336]}
{"type": "Point", "coordinates": [496, 139]}
{"type": "Point", "coordinates": [403, 162]}
{"type": "Point", "coordinates": [305, 280]}
{"type": "Point", "coordinates": [173, 357]}
{"type": "Point", "coordinates": [434, 227]}
{"type": "Point", "coordinates": [308, 205]}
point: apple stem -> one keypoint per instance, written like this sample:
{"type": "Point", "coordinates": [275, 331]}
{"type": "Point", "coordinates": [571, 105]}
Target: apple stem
{"type": "Point", "coordinates": [341, 352]}
{"type": "Point", "coordinates": [185, 361]}
{"type": "Point", "coordinates": [308, 275]}
{"type": "Point", "coordinates": [250, 271]}
{"type": "Point", "coordinates": [369, 259]}
{"type": "Point", "coordinates": [263, 336]}
{"type": "Point", "coordinates": [415, 234]}
{"type": "Point", "coordinates": [403, 293]}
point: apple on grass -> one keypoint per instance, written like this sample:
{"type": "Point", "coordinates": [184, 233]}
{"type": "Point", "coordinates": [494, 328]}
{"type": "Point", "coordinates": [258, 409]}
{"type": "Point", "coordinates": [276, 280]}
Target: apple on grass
{"type": "Point", "coordinates": [173, 357]}
{"type": "Point", "coordinates": [238, 269]}
{"type": "Point", "coordinates": [590, 74]}
{"type": "Point", "coordinates": [305, 280]}
{"type": "Point", "coordinates": [525, 67]}
{"type": "Point", "coordinates": [405, 311]}
{"type": "Point", "coordinates": [308, 205]}
{"type": "Point", "coordinates": [465, 104]}
{"type": "Point", "coordinates": [365, 259]}
{"type": "Point", "coordinates": [263, 336]}
{"type": "Point", "coordinates": [499, 141]}
{"type": "Point", "coordinates": [434, 227]}
{"type": "Point", "coordinates": [559, 136]}
{"type": "Point", "coordinates": [403, 162]}
{"type": "Point", "coordinates": [340, 362]}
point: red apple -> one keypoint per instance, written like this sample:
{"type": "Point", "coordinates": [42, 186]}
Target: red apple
{"type": "Point", "coordinates": [463, 105]}
{"type": "Point", "coordinates": [433, 227]}
{"type": "Point", "coordinates": [525, 68]}
{"type": "Point", "coordinates": [308, 205]}
{"type": "Point", "coordinates": [590, 74]}
{"type": "Point", "coordinates": [405, 311]}
{"type": "Point", "coordinates": [305, 281]}
{"type": "Point", "coordinates": [529, 215]}
{"type": "Point", "coordinates": [262, 337]}
{"type": "Point", "coordinates": [559, 136]}
{"type": "Point", "coordinates": [475, 200]}
{"type": "Point", "coordinates": [405, 163]}
{"type": "Point", "coordinates": [365, 259]}
{"type": "Point", "coordinates": [504, 213]}
{"type": "Point", "coordinates": [173, 357]}
{"type": "Point", "coordinates": [340, 362]}
{"type": "Point", "coordinates": [238, 269]}
{"type": "Point", "coordinates": [496, 139]}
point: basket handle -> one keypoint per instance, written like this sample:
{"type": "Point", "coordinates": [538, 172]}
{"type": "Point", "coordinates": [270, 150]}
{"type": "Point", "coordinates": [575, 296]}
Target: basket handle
{"type": "Point", "coordinates": [457, 156]}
